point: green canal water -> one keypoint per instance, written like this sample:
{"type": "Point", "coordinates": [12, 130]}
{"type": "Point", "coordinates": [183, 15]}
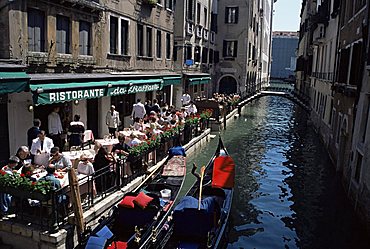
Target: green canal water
{"type": "Point", "coordinates": [287, 194]}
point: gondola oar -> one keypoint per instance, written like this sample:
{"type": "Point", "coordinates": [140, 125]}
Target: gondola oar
{"type": "Point", "coordinates": [201, 185]}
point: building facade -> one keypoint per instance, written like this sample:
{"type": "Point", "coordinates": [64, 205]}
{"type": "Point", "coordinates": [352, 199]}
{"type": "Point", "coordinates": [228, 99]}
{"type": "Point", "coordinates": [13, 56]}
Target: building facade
{"type": "Point", "coordinates": [284, 46]}
{"type": "Point", "coordinates": [84, 56]}
{"type": "Point", "coordinates": [244, 49]}
{"type": "Point", "coordinates": [332, 70]}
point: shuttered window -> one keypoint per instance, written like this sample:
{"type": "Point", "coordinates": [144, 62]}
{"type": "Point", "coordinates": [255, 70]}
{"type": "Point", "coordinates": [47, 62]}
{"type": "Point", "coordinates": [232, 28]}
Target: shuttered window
{"type": "Point", "coordinates": [63, 35]}
{"type": "Point", "coordinates": [140, 40]}
{"type": "Point", "coordinates": [231, 14]}
{"type": "Point", "coordinates": [168, 46]}
{"type": "Point", "coordinates": [124, 37]}
{"type": "Point", "coordinates": [159, 44]}
{"type": "Point", "coordinates": [230, 49]}
{"type": "Point", "coordinates": [85, 38]}
{"type": "Point", "coordinates": [36, 30]}
{"type": "Point", "coordinates": [113, 35]}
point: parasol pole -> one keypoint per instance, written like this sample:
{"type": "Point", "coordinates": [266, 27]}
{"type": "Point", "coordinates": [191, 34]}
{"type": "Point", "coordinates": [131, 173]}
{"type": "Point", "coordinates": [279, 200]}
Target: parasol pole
{"type": "Point", "coordinates": [76, 199]}
{"type": "Point", "coordinates": [201, 185]}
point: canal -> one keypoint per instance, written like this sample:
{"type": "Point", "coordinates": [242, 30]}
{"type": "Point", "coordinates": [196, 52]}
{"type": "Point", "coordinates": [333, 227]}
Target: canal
{"type": "Point", "coordinates": [287, 193]}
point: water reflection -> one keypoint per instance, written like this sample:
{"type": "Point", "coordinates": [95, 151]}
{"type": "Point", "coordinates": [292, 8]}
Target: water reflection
{"type": "Point", "coordinates": [287, 194]}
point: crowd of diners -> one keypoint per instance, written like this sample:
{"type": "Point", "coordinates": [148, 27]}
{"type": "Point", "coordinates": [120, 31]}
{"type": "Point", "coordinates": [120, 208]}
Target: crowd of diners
{"type": "Point", "coordinates": [41, 153]}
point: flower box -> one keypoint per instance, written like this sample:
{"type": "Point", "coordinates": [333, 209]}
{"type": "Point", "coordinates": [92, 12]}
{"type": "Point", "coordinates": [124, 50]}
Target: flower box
{"type": "Point", "coordinates": [23, 194]}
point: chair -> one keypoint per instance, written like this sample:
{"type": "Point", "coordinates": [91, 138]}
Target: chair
{"type": "Point", "coordinates": [88, 139]}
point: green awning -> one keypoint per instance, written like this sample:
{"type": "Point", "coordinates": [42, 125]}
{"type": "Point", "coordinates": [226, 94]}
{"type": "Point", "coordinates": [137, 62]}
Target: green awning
{"type": "Point", "coordinates": [134, 86]}
{"type": "Point", "coordinates": [197, 81]}
{"type": "Point", "coordinates": [61, 92]}
{"type": "Point", "coordinates": [174, 80]}
{"type": "Point", "coordinates": [13, 82]}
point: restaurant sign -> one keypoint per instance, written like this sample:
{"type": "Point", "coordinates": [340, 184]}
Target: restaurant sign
{"type": "Point", "coordinates": [63, 95]}
{"type": "Point", "coordinates": [120, 90]}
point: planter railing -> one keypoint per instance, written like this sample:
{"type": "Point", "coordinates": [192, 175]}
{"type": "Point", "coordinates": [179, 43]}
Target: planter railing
{"type": "Point", "coordinates": [52, 210]}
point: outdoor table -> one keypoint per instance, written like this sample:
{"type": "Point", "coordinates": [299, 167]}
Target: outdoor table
{"type": "Point", "coordinates": [108, 143]}
{"type": "Point", "coordinates": [73, 155]}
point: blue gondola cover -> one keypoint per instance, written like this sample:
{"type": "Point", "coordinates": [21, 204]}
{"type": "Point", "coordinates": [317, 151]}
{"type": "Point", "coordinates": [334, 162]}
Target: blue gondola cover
{"type": "Point", "coordinates": [191, 223]}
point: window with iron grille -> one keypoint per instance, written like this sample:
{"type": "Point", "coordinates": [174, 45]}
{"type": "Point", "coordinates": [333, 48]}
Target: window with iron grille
{"type": "Point", "coordinates": [230, 48]}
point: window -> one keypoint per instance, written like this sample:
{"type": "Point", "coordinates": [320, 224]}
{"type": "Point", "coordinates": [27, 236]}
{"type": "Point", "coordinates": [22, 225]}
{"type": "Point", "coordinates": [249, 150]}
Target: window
{"type": "Point", "coordinates": [197, 54]}
{"type": "Point", "coordinates": [36, 30]}
{"type": "Point", "coordinates": [358, 167]}
{"type": "Point", "coordinates": [202, 87]}
{"type": "Point", "coordinates": [124, 37]}
{"type": "Point", "coordinates": [169, 4]}
{"type": "Point", "coordinates": [217, 57]}
{"type": "Point", "coordinates": [205, 55]}
{"type": "Point", "coordinates": [190, 10]}
{"type": "Point", "coordinates": [188, 52]}
{"type": "Point", "coordinates": [85, 38]}
{"type": "Point", "coordinates": [331, 112]}
{"type": "Point", "coordinates": [140, 40]}
{"type": "Point", "coordinates": [159, 44]}
{"type": "Point", "coordinates": [149, 42]}
{"type": "Point", "coordinates": [168, 46]}
{"type": "Point", "coordinates": [230, 48]}
{"type": "Point", "coordinates": [63, 35]}
{"type": "Point", "coordinates": [113, 35]}
{"type": "Point", "coordinates": [211, 56]}
{"type": "Point", "coordinates": [175, 51]}
{"type": "Point", "coordinates": [231, 14]}
{"type": "Point", "coordinates": [205, 17]}
{"type": "Point", "coordinates": [198, 13]}
{"type": "Point", "coordinates": [366, 118]}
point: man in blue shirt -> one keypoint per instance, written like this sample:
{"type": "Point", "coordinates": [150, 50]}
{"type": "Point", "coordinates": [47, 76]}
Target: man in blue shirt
{"type": "Point", "coordinates": [33, 132]}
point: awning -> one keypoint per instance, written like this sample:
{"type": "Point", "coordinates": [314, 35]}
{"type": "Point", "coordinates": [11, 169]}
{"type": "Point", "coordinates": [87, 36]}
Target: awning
{"type": "Point", "coordinates": [134, 86]}
{"type": "Point", "coordinates": [61, 92]}
{"type": "Point", "coordinates": [13, 82]}
{"type": "Point", "coordinates": [197, 81]}
{"type": "Point", "coordinates": [174, 80]}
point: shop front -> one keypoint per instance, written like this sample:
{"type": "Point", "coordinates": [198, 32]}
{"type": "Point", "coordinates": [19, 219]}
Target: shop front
{"type": "Point", "coordinates": [195, 85]}
{"type": "Point", "coordinates": [92, 99]}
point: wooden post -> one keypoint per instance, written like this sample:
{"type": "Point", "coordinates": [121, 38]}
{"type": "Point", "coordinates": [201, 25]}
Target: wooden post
{"type": "Point", "coordinates": [76, 199]}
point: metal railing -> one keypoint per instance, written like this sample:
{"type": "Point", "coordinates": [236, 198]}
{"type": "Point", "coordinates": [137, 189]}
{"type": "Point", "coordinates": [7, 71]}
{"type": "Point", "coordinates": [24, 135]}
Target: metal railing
{"type": "Point", "coordinates": [323, 76]}
{"type": "Point", "coordinates": [51, 211]}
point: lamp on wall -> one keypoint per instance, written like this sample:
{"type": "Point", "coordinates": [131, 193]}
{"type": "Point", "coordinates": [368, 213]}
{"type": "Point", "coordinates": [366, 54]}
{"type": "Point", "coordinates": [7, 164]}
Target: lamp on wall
{"type": "Point", "coordinates": [30, 108]}
{"type": "Point", "coordinates": [76, 102]}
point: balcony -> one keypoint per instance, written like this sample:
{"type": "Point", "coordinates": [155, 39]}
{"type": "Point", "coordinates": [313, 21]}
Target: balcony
{"type": "Point", "coordinates": [329, 76]}
{"type": "Point", "coordinates": [345, 89]}
{"type": "Point", "coordinates": [150, 3]}
{"type": "Point", "coordinates": [94, 5]}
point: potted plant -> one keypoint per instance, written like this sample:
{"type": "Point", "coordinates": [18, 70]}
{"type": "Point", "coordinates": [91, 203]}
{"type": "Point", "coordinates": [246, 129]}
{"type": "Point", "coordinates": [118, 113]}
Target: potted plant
{"type": "Point", "coordinates": [22, 186]}
{"type": "Point", "coordinates": [151, 3]}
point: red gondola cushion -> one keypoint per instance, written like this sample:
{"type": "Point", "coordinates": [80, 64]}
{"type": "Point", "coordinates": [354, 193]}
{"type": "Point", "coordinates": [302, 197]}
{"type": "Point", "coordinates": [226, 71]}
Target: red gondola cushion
{"type": "Point", "coordinates": [128, 202]}
{"type": "Point", "coordinates": [118, 245]}
{"type": "Point", "coordinates": [223, 172]}
{"type": "Point", "coordinates": [142, 200]}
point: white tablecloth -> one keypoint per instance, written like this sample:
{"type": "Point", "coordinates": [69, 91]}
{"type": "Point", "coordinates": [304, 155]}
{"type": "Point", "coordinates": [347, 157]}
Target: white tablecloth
{"type": "Point", "coordinates": [108, 143]}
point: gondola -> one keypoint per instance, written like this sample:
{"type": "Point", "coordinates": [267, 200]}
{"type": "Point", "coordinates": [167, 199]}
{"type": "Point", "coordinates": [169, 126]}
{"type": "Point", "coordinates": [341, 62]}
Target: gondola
{"type": "Point", "coordinates": [200, 219]}
{"type": "Point", "coordinates": [131, 222]}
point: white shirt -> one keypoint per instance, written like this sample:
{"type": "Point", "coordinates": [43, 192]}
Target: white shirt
{"type": "Point", "coordinates": [192, 109]}
{"type": "Point", "coordinates": [138, 110]}
{"type": "Point", "coordinates": [86, 169]}
{"type": "Point", "coordinates": [54, 123]}
{"type": "Point", "coordinates": [36, 145]}
{"type": "Point", "coordinates": [112, 121]}
{"type": "Point", "coordinates": [185, 99]}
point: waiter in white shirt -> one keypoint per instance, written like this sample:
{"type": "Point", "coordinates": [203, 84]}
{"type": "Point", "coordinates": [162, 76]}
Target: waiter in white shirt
{"type": "Point", "coordinates": [185, 99]}
{"type": "Point", "coordinates": [41, 147]}
{"type": "Point", "coordinates": [192, 108]}
{"type": "Point", "coordinates": [55, 127]}
{"type": "Point", "coordinates": [138, 110]}
{"type": "Point", "coordinates": [112, 120]}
